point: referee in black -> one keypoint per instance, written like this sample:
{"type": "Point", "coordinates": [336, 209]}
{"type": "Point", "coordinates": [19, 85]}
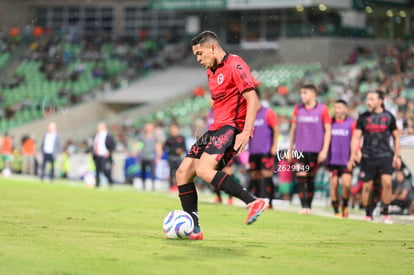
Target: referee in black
{"type": "Point", "coordinates": [376, 126]}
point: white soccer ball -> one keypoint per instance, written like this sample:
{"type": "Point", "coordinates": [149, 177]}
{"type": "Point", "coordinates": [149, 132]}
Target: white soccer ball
{"type": "Point", "coordinates": [6, 173]}
{"type": "Point", "coordinates": [178, 224]}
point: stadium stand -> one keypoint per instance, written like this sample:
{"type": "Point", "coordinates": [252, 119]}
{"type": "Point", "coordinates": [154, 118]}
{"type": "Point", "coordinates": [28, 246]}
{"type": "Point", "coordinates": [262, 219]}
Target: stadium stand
{"type": "Point", "coordinates": [55, 73]}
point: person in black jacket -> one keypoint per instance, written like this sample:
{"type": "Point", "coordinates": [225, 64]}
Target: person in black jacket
{"type": "Point", "coordinates": [176, 148]}
{"type": "Point", "coordinates": [103, 146]}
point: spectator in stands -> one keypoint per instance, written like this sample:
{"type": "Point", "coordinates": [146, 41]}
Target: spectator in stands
{"type": "Point", "coordinates": [28, 154]}
{"type": "Point", "coordinates": [9, 112]}
{"type": "Point", "coordinates": [103, 147]}
{"type": "Point", "coordinates": [150, 154]}
{"type": "Point", "coordinates": [51, 147]}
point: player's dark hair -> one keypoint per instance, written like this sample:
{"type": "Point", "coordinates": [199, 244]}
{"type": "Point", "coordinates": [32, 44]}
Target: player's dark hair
{"type": "Point", "coordinates": [381, 95]}
{"type": "Point", "coordinates": [258, 93]}
{"type": "Point", "coordinates": [205, 36]}
{"type": "Point", "coordinates": [341, 101]}
{"type": "Point", "coordinates": [310, 86]}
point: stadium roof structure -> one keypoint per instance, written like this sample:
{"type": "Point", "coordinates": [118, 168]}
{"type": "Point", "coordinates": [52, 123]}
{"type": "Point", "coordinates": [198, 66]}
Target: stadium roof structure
{"type": "Point", "coordinates": [160, 86]}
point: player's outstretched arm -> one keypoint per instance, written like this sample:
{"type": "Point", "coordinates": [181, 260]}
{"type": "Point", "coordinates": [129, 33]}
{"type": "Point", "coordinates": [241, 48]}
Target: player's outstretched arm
{"type": "Point", "coordinates": [326, 141]}
{"type": "Point", "coordinates": [355, 157]}
{"type": "Point", "coordinates": [396, 162]}
{"type": "Point", "coordinates": [253, 105]}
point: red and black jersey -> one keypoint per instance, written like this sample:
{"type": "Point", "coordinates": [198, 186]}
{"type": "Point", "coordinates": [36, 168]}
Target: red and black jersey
{"type": "Point", "coordinates": [376, 131]}
{"type": "Point", "coordinates": [227, 83]}
{"type": "Point", "coordinates": [173, 144]}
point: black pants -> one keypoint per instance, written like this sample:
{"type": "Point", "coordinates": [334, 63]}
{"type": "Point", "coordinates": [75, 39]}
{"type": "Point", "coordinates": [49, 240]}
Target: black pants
{"type": "Point", "coordinates": [144, 165]}
{"type": "Point", "coordinates": [48, 158]}
{"type": "Point", "coordinates": [103, 165]}
{"type": "Point", "coordinates": [173, 162]}
{"type": "Point", "coordinates": [401, 203]}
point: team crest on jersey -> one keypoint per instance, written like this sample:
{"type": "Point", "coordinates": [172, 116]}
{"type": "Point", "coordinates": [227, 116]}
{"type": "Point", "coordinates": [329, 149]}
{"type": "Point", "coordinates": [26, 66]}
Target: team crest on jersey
{"type": "Point", "coordinates": [220, 79]}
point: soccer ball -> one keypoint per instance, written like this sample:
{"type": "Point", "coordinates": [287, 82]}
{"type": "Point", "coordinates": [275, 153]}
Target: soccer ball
{"type": "Point", "coordinates": [6, 173]}
{"type": "Point", "coordinates": [178, 224]}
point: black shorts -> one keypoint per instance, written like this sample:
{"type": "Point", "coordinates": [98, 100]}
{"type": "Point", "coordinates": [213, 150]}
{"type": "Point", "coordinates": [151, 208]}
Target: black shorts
{"type": "Point", "coordinates": [219, 142]}
{"type": "Point", "coordinates": [338, 170]}
{"type": "Point", "coordinates": [373, 168]}
{"type": "Point", "coordinates": [261, 161]}
{"type": "Point", "coordinates": [307, 162]}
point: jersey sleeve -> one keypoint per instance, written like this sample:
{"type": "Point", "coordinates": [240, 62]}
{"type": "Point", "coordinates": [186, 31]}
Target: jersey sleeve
{"type": "Point", "coordinates": [271, 118]}
{"type": "Point", "coordinates": [353, 126]}
{"type": "Point", "coordinates": [393, 124]}
{"type": "Point", "coordinates": [294, 114]}
{"type": "Point", "coordinates": [326, 117]}
{"type": "Point", "coordinates": [360, 123]}
{"type": "Point", "coordinates": [242, 76]}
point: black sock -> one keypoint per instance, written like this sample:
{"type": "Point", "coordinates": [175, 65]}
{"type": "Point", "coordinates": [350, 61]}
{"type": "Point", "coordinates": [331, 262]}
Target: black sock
{"type": "Point", "coordinates": [254, 187]}
{"type": "Point", "coordinates": [189, 200]}
{"type": "Point", "coordinates": [270, 189]}
{"type": "Point", "coordinates": [311, 189]}
{"type": "Point", "coordinates": [385, 209]}
{"type": "Point", "coordinates": [344, 202]}
{"type": "Point", "coordinates": [369, 209]}
{"type": "Point", "coordinates": [335, 205]}
{"type": "Point", "coordinates": [301, 181]}
{"type": "Point", "coordinates": [218, 193]}
{"type": "Point", "coordinates": [226, 183]}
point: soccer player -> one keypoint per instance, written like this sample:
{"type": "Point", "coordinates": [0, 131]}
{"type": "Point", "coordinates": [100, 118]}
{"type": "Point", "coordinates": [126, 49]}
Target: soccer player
{"type": "Point", "coordinates": [338, 156]}
{"type": "Point", "coordinates": [235, 106]}
{"type": "Point", "coordinates": [262, 149]}
{"type": "Point", "coordinates": [376, 126]}
{"type": "Point", "coordinates": [310, 133]}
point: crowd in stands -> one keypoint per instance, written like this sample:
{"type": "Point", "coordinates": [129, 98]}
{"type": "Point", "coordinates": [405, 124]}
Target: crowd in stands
{"type": "Point", "coordinates": [390, 69]}
{"type": "Point", "coordinates": [58, 69]}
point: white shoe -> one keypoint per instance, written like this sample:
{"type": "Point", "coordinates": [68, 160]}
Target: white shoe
{"type": "Point", "coordinates": [387, 219]}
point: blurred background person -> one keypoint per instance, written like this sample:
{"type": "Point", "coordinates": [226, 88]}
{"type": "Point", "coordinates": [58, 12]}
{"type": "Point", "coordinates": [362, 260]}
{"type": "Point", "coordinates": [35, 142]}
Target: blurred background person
{"type": "Point", "coordinates": [51, 148]}
{"type": "Point", "coordinates": [28, 154]}
{"type": "Point", "coordinates": [6, 153]}
{"type": "Point", "coordinates": [376, 126]}
{"type": "Point", "coordinates": [150, 154]}
{"type": "Point", "coordinates": [403, 194]}
{"type": "Point", "coordinates": [310, 136]}
{"type": "Point", "coordinates": [176, 148]}
{"type": "Point", "coordinates": [286, 177]}
{"type": "Point", "coordinates": [103, 147]}
{"type": "Point", "coordinates": [338, 157]}
{"type": "Point", "coordinates": [262, 149]}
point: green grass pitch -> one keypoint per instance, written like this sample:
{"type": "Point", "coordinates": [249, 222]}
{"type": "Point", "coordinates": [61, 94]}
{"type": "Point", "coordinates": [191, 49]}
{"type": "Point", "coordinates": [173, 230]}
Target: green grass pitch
{"type": "Point", "coordinates": [66, 228]}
